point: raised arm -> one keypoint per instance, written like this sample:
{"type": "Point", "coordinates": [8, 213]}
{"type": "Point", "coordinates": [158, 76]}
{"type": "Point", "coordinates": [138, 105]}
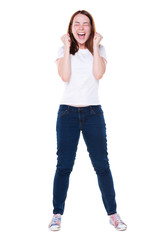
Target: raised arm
{"type": "Point", "coordinates": [99, 63]}
{"type": "Point", "coordinates": [64, 63]}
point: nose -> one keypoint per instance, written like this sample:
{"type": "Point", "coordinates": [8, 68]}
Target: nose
{"type": "Point", "coordinates": [81, 27]}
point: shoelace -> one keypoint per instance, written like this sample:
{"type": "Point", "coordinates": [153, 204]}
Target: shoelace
{"type": "Point", "coordinates": [116, 219]}
{"type": "Point", "coordinates": [55, 220]}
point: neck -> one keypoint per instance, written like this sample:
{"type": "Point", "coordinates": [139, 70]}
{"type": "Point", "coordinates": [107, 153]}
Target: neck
{"type": "Point", "coordinates": [82, 46]}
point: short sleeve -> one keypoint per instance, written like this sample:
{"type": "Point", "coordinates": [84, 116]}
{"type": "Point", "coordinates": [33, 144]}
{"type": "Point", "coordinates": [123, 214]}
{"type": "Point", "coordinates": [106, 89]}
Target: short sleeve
{"type": "Point", "coordinates": [102, 51]}
{"type": "Point", "coordinates": [60, 52]}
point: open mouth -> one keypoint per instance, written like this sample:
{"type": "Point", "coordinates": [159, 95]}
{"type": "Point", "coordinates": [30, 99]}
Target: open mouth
{"type": "Point", "coordinates": [81, 35]}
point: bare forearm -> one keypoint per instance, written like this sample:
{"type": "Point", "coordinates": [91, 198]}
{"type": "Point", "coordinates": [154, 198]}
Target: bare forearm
{"type": "Point", "coordinates": [65, 66]}
{"type": "Point", "coordinates": [98, 64]}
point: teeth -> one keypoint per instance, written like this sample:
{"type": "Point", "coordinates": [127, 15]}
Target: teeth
{"type": "Point", "coordinates": [81, 33]}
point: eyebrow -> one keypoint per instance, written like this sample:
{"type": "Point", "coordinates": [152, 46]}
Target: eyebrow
{"type": "Point", "coordinates": [84, 22]}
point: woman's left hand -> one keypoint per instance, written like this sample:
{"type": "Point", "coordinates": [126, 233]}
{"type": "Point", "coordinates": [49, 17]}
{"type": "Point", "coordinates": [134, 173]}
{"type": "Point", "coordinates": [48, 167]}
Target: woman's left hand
{"type": "Point", "coordinates": [97, 38]}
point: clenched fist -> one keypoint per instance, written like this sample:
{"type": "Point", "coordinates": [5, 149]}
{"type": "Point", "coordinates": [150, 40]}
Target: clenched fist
{"type": "Point", "coordinates": [97, 38]}
{"type": "Point", "coordinates": [66, 40]}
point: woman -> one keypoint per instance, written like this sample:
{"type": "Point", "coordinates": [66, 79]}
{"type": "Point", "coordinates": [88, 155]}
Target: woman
{"type": "Point", "coordinates": [81, 64]}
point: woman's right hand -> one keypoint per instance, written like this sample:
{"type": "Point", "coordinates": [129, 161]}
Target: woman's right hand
{"type": "Point", "coordinates": [66, 40]}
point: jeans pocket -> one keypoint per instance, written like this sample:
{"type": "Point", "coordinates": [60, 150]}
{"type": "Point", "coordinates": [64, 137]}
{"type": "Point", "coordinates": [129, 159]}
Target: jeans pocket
{"type": "Point", "coordinates": [62, 112]}
{"type": "Point", "coordinates": [96, 110]}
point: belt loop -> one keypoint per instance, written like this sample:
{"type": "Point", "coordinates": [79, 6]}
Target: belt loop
{"type": "Point", "coordinates": [91, 109]}
{"type": "Point", "coordinates": [68, 107]}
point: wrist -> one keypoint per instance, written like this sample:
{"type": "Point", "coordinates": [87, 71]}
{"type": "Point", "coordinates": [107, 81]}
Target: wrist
{"type": "Point", "coordinates": [67, 48]}
{"type": "Point", "coordinates": [95, 47]}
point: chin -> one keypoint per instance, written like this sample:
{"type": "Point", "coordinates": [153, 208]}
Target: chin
{"type": "Point", "coordinates": [81, 42]}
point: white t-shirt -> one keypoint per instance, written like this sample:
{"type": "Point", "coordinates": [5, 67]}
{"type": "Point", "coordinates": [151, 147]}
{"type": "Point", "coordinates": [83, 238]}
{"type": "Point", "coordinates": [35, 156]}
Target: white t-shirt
{"type": "Point", "coordinates": [82, 88]}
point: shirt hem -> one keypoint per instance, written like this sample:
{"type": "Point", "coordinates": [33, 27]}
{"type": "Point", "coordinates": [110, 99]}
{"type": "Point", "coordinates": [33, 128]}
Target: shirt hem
{"type": "Point", "coordinates": [69, 103]}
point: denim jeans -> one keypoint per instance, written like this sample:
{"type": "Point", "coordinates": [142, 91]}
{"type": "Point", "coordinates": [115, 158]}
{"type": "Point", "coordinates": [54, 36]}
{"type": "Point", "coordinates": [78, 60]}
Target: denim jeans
{"type": "Point", "coordinates": [71, 121]}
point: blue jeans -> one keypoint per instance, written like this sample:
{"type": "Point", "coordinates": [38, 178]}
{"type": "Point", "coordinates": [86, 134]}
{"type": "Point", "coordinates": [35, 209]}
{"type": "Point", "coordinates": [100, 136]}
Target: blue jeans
{"type": "Point", "coordinates": [70, 122]}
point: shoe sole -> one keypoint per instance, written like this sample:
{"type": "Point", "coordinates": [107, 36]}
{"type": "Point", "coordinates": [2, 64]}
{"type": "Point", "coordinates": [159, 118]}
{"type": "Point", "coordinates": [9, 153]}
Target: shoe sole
{"type": "Point", "coordinates": [54, 228]}
{"type": "Point", "coordinates": [119, 229]}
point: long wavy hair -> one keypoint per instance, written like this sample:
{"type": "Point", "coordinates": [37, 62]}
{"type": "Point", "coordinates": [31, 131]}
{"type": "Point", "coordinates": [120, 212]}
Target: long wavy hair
{"type": "Point", "coordinates": [89, 43]}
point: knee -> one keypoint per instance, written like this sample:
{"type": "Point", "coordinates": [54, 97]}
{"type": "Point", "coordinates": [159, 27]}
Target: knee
{"type": "Point", "coordinates": [102, 170]}
{"type": "Point", "coordinates": [63, 170]}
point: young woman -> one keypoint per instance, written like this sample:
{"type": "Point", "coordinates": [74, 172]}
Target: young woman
{"type": "Point", "coordinates": [81, 64]}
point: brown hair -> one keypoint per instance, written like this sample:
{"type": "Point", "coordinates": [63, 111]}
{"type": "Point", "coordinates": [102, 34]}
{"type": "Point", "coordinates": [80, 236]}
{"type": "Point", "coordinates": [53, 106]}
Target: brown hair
{"type": "Point", "coordinates": [89, 43]}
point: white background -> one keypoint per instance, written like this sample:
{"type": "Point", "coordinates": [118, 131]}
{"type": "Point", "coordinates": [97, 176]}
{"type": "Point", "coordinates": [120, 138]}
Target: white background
{"type": "Point", "coordinates": [30, 91]}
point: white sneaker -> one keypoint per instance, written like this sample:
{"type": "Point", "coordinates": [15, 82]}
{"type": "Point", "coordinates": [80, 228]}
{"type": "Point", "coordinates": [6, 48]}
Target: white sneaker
{"type": "Point", "coordinates": [55, 223]}
{"type": "Point", "coordinates": [116, 221]}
